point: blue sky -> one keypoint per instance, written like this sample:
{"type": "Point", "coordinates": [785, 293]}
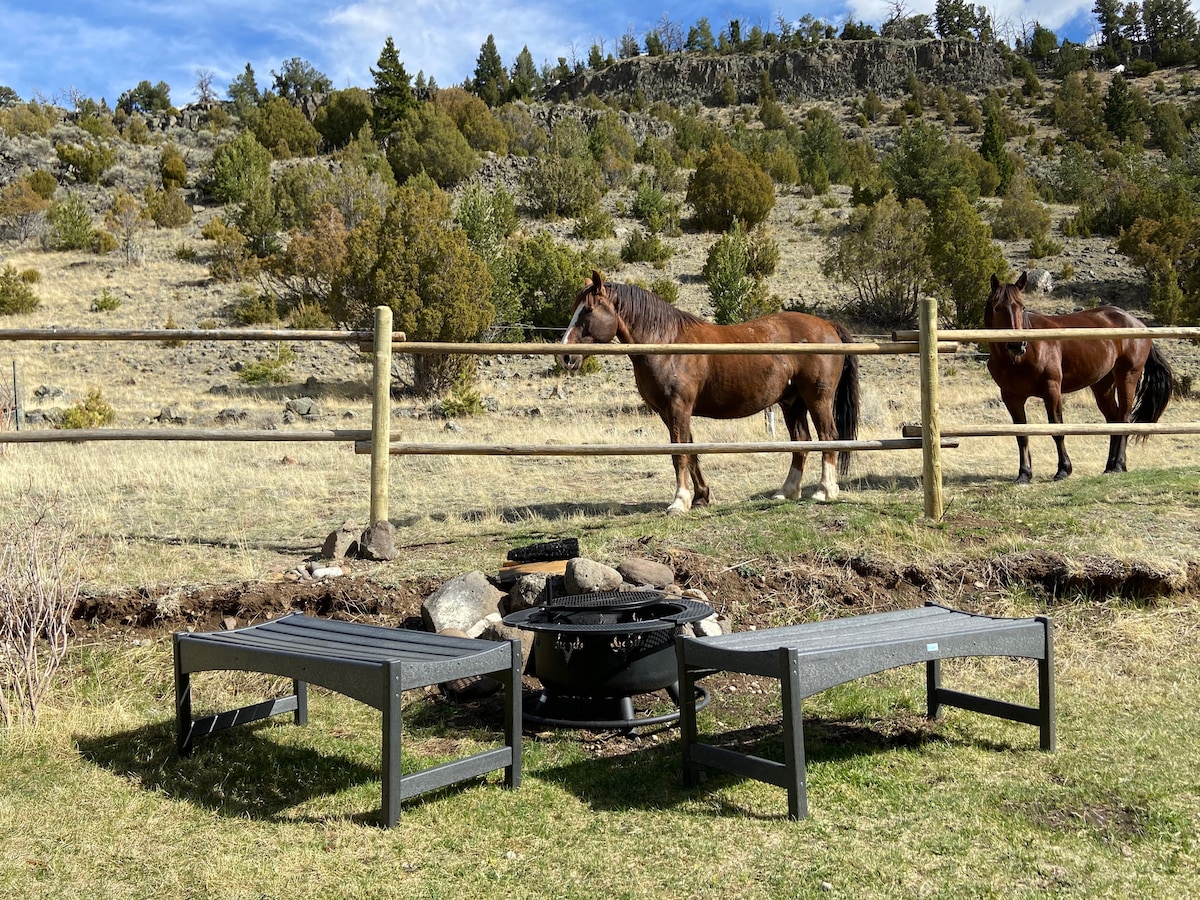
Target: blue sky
{"type": "Point", "coordinates": [52, 50]}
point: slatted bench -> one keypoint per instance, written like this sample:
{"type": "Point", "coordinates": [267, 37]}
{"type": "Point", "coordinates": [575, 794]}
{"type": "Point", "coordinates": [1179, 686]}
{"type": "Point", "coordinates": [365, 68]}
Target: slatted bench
{"type": "Point", "coordinates": [368, 663]}
{"type": "Point", "coordinates": [815, 656]}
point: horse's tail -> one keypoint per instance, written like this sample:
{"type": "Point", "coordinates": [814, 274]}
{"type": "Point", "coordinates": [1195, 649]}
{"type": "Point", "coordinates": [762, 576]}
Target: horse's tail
{"type": "Point", "coordinates": [846, 401]}
{"type": "Point", "coordinates": [1155, 388]}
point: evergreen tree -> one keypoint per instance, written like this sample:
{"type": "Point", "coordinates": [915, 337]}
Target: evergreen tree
{"type": "Point", "coordinates": [700, 37]}
{"type": "Point", "coordinates": [297, 78]}
{"type": "Point", "coordinates": [525, 79]}
{"type": "Point", "coordinates": [1120, 111]}
{"type": "Point", "coordinates": [490, 81]}
{"type": "Point", "coordinates": [992, 148]}
{"type": "Point", "coordinates": [393, 94]}
{"type": "Point", "coordinates": [1108, 17]}
{"type": "Point", "coordinates": [244, 93]}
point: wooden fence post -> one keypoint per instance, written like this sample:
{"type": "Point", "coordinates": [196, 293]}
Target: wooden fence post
{"type": "Point", "coordinates": [931, 432]}
{"type": "Point", "coordinates": [381, 414]}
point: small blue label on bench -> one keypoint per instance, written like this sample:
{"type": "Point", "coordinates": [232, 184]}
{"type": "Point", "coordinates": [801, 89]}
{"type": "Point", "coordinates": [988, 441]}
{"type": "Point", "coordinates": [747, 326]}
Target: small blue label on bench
{"type": "Point", "coordinates": [931, 648]}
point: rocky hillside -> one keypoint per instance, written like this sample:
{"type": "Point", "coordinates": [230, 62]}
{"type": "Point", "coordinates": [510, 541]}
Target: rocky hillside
{"type": "Point", "coordinates": [833, 70]}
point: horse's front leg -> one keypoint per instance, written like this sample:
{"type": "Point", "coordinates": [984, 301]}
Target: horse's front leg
{"type": "Point", "coordinates": [1016, 410]}
{"type": "Point", "coordinates": [1055, 417]}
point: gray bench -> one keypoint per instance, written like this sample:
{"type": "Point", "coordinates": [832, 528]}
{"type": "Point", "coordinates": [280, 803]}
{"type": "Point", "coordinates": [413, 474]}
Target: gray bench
{"type": "Point", "coordinates": [815, 656]}
{"type": "Point", "coordinates": [368, 663]}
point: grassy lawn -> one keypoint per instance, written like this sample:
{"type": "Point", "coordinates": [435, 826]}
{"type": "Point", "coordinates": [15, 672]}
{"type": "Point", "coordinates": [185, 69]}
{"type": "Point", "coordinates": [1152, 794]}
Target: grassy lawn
{"type": "Point", "coordinates": [95, 802]}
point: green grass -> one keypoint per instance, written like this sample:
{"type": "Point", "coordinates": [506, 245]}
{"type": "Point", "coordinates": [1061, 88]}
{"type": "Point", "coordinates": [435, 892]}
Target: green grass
{"type": "Point", "coordinates": [95, 802]}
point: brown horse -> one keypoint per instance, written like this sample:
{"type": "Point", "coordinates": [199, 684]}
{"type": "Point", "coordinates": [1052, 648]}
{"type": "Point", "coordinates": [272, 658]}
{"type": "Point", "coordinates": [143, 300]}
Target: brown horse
{"type": "Point", "coordinates": [1129, 377]}
{"type": "Point", "coordinates": [720, 386]}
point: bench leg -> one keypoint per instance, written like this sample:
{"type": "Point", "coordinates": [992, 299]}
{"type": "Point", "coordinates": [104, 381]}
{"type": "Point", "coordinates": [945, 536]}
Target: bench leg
{"type": "Point", "coordinates": [688, 730]}
{"type": "Point", "coordinates": [933, 683]}
{"type": "Point", "coordinates": [793, 736]}
{"type": "Point", "coordinates": [512, 717]}
{"type": "Point", "coordinates": [183, 706]}
{"type": "Point", "coordinates": [1046, 689]}
{"type": "Point", "coordinates": [390, 806]}
{"type": "Point", "coordinates": [300, 689]}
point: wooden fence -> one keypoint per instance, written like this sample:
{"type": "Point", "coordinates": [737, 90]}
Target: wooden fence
{"type": "Point", "coordinates": [927, 342]}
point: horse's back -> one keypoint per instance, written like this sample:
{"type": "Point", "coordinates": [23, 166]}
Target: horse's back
{"type": "Point", "coordinates": [1096, 317]}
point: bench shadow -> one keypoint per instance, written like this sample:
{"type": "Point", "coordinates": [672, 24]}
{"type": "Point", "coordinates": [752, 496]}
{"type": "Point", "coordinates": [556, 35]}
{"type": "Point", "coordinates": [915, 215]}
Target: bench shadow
{"type": "Point", "coordinates": [239, 774]}
{"type": "Point", "coordinates": [652, 777]}
{"type": "Point", "coordinates": [230, 774]}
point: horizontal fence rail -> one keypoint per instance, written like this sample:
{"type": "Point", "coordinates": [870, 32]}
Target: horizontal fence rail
{"type": "Point", "coordinates": [187, 334]}
{"type": "Point", "coordinates": [1083, 428]}
{"type": "Point", "coordinates": [171, 433]}
{"type": "Point", "coordinates": [400, 448]}
{"type": "Point", "coordinates": [857, 348]}
{"type": "Point", "coordinates": [999, 335]}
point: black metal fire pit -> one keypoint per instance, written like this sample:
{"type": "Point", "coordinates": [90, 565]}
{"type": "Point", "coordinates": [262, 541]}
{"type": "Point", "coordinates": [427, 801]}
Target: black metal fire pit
{"type": "Point", "coordinates": [593, 652]}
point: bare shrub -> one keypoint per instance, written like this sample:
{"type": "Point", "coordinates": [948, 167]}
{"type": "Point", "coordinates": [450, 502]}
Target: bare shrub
{"type": "Point", "coordinates": [39, 588]}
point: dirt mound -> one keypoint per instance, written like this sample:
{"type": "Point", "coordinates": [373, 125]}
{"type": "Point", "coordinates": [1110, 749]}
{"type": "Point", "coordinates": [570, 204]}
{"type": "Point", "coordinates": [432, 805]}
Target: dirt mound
{"type": "Point", "coordinates": [756, 595]}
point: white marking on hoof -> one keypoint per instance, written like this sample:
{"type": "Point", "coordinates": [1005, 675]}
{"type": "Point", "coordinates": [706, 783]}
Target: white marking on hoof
{"type": "Point", "coordinates": [791, 487]}
{"type": "Point", "coordinates": [681, 504]}
{"type": "Point", "coordinates": [827, 491]}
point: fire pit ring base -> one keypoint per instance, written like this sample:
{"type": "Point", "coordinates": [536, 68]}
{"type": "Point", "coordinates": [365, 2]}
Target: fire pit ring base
{"type": "Point", "coordinates": [627, 721]}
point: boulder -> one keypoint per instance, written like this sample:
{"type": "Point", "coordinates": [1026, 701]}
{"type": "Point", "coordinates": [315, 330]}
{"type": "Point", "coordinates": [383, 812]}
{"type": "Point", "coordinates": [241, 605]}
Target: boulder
{"type": "Point", "coordinates": [646, 573]}
{"type": "Point", "coordinates": [585, 576]}
{"type": "Point", "coordinates": [460, 603]}
{"type": "Point", "coordinates": [474, 687]}
{"type": "Point", "coordinates": [378, 542]}
{"type": "Point", "coordinates": [529, 591]}
{"type": "Point", "coordinates": [343, 542]}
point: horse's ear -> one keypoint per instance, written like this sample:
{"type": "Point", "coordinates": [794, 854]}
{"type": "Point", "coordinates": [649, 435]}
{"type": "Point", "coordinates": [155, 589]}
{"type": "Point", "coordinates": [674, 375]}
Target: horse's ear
{"type": "Point", "coordinates": [1021, 281]}
{"type": "Point", "coordinates": [995, 281]}
{"type": "Point", "coordinates": [597, 280]}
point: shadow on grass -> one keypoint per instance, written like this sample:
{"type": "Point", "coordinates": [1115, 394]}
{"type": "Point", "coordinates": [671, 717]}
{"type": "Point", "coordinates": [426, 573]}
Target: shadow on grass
{"type": "Point", "coordinates": [651, 777]}
{"type": "Point", "coordinates": [239, 774]}
{"type": "Point", "coordinates": [243, 773]}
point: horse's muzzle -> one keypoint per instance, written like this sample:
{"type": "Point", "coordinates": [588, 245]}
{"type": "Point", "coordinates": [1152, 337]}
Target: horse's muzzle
{"type": "Point", "coordinates": [572, 363]}
{"type": "Point", "coordinates": [1016, 348]}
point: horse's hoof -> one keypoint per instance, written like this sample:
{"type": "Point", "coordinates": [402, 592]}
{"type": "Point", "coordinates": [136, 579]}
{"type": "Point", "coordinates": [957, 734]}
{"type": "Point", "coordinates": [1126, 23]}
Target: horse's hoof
{"type": "Point", "coordinates": [700, 502]}
{"type": "Point", "coordinates": [1023, 478]}
{"type": "Point", "coordinates": [1060, 475]}
{"type": "Point", "coordinates": [820, 496]}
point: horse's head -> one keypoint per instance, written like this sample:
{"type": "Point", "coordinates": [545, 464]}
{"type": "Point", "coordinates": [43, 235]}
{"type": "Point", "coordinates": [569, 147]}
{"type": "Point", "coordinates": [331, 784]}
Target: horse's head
{"type": "Point", "coordinates": [593, 321]}
{"type": "Point", "coordinates": [1006, 309]}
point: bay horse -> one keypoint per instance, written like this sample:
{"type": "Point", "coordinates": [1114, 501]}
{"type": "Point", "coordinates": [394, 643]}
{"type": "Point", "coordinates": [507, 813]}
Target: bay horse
{"type": "Point", "coordinates": [721, 386]}
{"type": "Point", "coordinates": [1129, 377]}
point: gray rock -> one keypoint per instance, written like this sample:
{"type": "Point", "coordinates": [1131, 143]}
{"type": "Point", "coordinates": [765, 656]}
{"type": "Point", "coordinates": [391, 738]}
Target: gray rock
{"type": "Point", "coordinates": [378, 542]}
{"type": "Point", "coordinates": [529, 591]}
{"type": "Point", "coordinates": [1039, 280]}
{"type": "Point", "coordinates": [170, 415]}
{"type": "Point", "coordinates": [231, 415]}
{"type": "Point", "coordinates": [343, 542]}
{"type": "Point", "coordinates": [305, 407]}
{"type": "Point", "coordinates": [585, 576]}
{"type": "Point", "coordinates": [461, 602]}
{"type": "Point", "coordinates": [646, 572]}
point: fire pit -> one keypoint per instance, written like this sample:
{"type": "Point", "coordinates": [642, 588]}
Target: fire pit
{"type": "Point", "coordinates": [594, 651]}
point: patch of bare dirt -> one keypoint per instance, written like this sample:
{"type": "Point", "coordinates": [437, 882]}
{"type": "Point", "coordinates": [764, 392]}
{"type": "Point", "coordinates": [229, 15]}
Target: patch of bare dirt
{"type": "Point", "coordinates": [759, 595]}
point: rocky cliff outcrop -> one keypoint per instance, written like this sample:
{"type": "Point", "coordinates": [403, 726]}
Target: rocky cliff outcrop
{"type": "Point", "coordinates": [829, 71]}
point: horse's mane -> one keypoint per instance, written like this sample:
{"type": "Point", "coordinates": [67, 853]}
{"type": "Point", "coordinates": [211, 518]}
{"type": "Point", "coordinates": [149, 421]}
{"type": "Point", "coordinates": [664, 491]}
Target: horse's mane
{"type": "Point", "coordinates": [657, 321]}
